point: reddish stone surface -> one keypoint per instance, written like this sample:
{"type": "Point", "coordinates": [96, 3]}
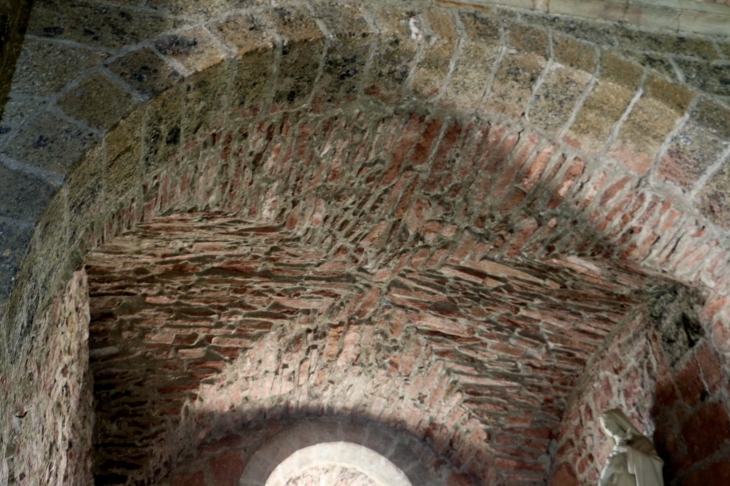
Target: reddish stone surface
{"type": "Point", "coordinates": [563, 476]}
{"type": "Point", "coordinates": [706, 431]}
{"type": "Point", "coordinates": [714, 473]}
{"type": "Point", "coordinates": [227, 468]}
{"type": "Point", "coordinates": [278, 267]}
{"type": "Point", "coordinates": [194, 315]}
{"type": "Point", "coordinates": [449, 301]}
{"type": "Point", "coordinates": [689, 382]}
{"type": "Point", "coordinates": [440, 275]}
{"type": "Point", "coordinates": [192, 479]}
{"type": "Point", "coordinates": [50, 390]}
{"type": "Point", "coordinates": [682, 409]}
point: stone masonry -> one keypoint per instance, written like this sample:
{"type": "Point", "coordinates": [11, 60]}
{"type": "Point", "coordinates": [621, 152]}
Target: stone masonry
{"type": "Point", "coordinates": [474, 228]}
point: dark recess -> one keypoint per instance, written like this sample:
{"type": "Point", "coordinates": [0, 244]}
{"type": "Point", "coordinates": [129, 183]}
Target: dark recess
{"type": "Point", "coordinates": [672, 311]}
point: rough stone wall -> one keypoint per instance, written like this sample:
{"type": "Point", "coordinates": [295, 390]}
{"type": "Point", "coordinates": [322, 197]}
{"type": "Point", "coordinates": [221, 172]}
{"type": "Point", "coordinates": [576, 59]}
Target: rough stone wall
{"type": "Point", "coordinates": [204, 178]}
{"type": "Point", "coordinates": [45, 399]}
{"type": "Point", "coordinates": [678, 399]}
{"type": "Point", "coordinates": [639, 80]}
{"type": "Point", "coordinates": [637, 136]}
{"type": "Point", "coordinates": [313, 217]}
{"type": "Point", "coordinates": [624, 376]}
{"type": "Point", "coordinates": [285, 327]}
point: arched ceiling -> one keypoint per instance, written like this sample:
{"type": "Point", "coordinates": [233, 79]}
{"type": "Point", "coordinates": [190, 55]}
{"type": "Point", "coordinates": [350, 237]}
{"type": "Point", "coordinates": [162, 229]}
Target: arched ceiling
{"type": "Point", "coordinates": [644, 112]}
{"type": "Point", "coordinates": [364, 273]}
{"type": "Point", "coordinates": [451, 209]}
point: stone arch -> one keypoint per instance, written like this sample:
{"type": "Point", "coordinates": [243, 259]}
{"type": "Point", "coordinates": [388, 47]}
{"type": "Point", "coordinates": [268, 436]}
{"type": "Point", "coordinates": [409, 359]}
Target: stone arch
{"type": "Point", "coordinates": [434, 61]}
{"type": "Point", "coordinates": [232, 458]}
{"type": "Point", "coordinates": [403, 464]}
{"type": "Point", "coordinates": [280, 377]}
{"type": "Point", "coordinates": [405, 275]}
{"type": "Point", "coordinates": [633, 193]}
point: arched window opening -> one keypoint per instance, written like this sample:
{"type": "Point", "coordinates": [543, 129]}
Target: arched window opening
{"type": "Point", "coordinates": [337, 463]}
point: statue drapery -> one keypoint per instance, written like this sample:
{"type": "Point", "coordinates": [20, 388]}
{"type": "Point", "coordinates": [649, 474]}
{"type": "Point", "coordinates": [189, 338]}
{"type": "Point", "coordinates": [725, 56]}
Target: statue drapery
{"type": "Point", "coordinates": [633, 460]}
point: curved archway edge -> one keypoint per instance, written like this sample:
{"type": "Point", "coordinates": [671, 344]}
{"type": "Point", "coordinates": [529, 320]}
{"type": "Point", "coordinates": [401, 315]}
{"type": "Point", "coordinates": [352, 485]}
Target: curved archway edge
{"type": "Point", "coordinates": [310, 433]}
{"type": "Point", "coordinates": [314, 60]}
{"type": "Point", "coordinates": [620, 179]}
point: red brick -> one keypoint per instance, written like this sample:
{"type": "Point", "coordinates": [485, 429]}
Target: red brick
{"type": "Point", "coordinates": [563, 476]}
{"type": "Point", "coordinates": [227, 468]}
{"type": "Point", "coordinates": [459, 480]}
{"type": "Point", "coordinates": [505, 464]}
{"type": "Point", "coordinates": [715, 473]}
{"type": "Point", "coordinates": [423, 147]}
{"type": "Point", "coordinates": [192, 479]}
{"type": "Point", "coordinates": [689, 383]}
{"type": "Point", "coordinates": [665, 393]}
{"type": "Point", "coordinates": [574, 171]}
{"type": "Point", "coordinates": [475, 333]}
{"type": "Point", "coordinates": [706, 431]}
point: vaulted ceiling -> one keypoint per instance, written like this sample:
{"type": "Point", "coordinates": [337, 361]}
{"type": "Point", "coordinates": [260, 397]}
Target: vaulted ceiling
{"type": "Point", "coordinates": [420, 215]}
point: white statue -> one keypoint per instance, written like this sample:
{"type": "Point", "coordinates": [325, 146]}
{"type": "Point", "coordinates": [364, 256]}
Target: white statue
{"type": "Point", "coordinates": [633, 460]}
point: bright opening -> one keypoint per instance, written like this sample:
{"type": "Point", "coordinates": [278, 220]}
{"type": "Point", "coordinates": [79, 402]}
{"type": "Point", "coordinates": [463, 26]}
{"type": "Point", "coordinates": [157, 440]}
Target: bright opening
{"type": "Point", "coordinates": [337, 464]}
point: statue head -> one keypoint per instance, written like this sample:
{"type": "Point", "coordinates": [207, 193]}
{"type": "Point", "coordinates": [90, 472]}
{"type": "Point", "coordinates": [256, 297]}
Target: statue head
{"type": "Point", "coordinates": [617, 426]}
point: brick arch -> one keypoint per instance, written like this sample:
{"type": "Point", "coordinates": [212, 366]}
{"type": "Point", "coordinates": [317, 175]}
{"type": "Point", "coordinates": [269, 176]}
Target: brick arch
{"type": "Point", "coordinates": [553, 168]}
{"type": "Point", "coordinates": [267, 369]}
{"type": "Point", "coordinates": [252, 455]}
{"type": "Point", "coordinates": [396, 257]}
{"type": "Point", "coordinates": [377, 390]}
{"type": "Point", "coordinates": [382, 53]}
{"type": "Point", "coordinates": [174, 327]}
